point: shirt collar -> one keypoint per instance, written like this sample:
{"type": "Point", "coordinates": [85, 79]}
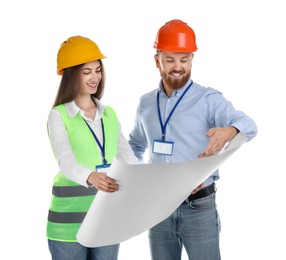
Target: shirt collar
{"type": "Point", "coordinates": [176, 92]}
{"type": "Point", "coordinates": [73, 109]}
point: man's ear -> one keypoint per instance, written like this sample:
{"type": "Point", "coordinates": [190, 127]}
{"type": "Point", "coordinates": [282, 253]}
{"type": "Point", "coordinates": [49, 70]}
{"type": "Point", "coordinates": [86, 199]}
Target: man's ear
{"type": "Point", "coordinates": [156, 58]}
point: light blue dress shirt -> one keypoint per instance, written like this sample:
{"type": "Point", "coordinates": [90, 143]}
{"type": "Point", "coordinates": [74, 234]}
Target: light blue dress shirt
{"type": "Point", "coordinates": [199, 110]}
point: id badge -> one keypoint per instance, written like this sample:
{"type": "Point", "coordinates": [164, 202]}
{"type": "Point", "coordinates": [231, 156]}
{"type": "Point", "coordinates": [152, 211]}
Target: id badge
{"type": "Point", "coordinates": [103, 167]}
{"type": "Point", "coordinates": [163, 147]}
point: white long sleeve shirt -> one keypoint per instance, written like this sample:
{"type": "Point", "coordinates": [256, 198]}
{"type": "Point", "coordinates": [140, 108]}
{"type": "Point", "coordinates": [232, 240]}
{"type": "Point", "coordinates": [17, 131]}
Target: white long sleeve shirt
{"type": "Point", "coordinates": [62, 148]}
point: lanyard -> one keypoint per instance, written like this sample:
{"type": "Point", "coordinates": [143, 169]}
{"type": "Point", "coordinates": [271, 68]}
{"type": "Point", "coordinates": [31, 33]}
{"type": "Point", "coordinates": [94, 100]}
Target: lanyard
{"type": "Point", "coordinates": [102, 147]}
{"type": "Point", "coordinates": [163, 126]}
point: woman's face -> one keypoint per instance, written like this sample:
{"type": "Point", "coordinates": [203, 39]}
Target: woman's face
{"type": "Point", "coordinates": [90, 77]}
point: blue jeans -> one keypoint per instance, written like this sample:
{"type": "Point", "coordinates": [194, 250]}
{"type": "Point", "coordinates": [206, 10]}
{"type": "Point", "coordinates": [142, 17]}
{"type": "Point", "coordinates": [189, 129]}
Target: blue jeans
{"type": "Point", "coordinates": [194, 225]}
{"type": "Point", "coordinates": [75, 251]}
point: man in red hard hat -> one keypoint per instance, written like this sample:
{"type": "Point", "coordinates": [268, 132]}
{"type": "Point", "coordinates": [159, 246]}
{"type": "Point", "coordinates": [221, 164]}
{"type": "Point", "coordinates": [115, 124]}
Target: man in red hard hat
{"type": "Point", "coordinates": [180, 121]}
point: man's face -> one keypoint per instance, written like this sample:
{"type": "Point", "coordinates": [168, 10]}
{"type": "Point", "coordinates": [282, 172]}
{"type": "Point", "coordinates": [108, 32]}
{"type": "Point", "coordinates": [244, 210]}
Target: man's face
{"type": "Point", "coordinates": [175, 68]}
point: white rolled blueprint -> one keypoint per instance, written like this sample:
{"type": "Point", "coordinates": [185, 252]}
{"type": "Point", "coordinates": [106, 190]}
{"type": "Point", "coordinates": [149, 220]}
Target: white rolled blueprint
{"type": "Point", "coordinates": [148, 194]}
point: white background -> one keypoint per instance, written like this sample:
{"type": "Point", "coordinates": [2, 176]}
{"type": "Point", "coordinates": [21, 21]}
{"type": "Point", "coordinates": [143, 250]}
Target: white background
{"type": "Point", "coordinates": [241, 51]}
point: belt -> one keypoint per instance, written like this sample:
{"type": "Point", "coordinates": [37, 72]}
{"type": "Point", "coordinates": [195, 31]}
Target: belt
{"type": "Point", "coordinates": [206, 191]}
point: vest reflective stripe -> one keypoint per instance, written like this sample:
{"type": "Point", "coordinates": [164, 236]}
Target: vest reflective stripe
{"type": "Point", "coordinates": [70, 201]}
{"type": "Point", "coordinates": [66, 217]}
{"type": "Point", "coordinates": [73, 191]}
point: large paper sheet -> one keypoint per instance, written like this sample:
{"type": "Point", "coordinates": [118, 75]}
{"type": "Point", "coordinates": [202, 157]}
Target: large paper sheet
{"type": "Point", "coordinates": [148, 194]}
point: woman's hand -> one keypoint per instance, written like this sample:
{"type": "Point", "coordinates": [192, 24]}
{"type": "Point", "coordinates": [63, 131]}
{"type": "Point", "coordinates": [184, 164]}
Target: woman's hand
{"type": "Point", "coordinates": [102, 182]}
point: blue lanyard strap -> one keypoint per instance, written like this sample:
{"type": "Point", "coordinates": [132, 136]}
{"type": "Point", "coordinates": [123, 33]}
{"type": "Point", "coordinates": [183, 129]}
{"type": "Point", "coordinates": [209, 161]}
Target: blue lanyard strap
{"type": "Point", "coordinates": [163, 126]}
{"type": "Point", "coordinates": [102, 147]}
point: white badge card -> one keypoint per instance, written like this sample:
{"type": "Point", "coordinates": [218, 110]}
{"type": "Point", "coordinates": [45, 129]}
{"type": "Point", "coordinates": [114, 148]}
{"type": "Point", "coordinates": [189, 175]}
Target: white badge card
{"type": "Point", "coordinates": [163, 147]}
{"type": "Point", "coordinates": [103, 167]}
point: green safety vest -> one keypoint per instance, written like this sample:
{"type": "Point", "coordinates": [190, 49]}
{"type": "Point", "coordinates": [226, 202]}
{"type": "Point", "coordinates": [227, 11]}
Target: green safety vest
{"type": "Point", "coordinates": [71, 201]}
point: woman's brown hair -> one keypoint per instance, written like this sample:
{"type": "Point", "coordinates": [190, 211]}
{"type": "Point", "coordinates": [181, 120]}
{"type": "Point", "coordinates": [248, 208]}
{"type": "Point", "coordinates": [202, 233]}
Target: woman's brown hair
{"type": "Point", "coordinates": [70, 85]}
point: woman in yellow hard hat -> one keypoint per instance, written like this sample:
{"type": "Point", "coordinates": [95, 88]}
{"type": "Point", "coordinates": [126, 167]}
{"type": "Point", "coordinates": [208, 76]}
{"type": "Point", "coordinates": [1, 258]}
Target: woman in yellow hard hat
{"type": "Point", "coordinates": [85, 137]}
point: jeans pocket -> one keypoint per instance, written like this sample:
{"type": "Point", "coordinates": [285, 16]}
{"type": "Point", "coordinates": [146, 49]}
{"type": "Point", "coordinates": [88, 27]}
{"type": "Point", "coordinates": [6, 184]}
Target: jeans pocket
{"type": "Point", "coordinates": [203, 203]}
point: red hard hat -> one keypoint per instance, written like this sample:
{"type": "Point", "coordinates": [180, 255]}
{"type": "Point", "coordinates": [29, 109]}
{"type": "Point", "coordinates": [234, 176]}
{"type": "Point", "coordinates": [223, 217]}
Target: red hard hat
{"type": "Point", "coordinates": [176, 36]}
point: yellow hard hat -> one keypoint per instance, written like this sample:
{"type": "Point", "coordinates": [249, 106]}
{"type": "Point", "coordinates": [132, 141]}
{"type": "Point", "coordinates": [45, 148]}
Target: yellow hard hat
{"type": "Point", "coordinates": [77, 50]}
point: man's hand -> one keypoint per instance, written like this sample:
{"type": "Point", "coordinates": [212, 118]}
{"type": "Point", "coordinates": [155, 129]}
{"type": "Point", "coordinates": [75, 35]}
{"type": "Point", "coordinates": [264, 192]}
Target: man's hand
{"type": "Point", "coordinates": [197, 188]}
{"type": "Point", "coordinates": [218, 138]}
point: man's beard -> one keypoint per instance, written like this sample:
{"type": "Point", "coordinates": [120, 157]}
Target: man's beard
{"type": "Point", "coordinates": [175, 83]}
